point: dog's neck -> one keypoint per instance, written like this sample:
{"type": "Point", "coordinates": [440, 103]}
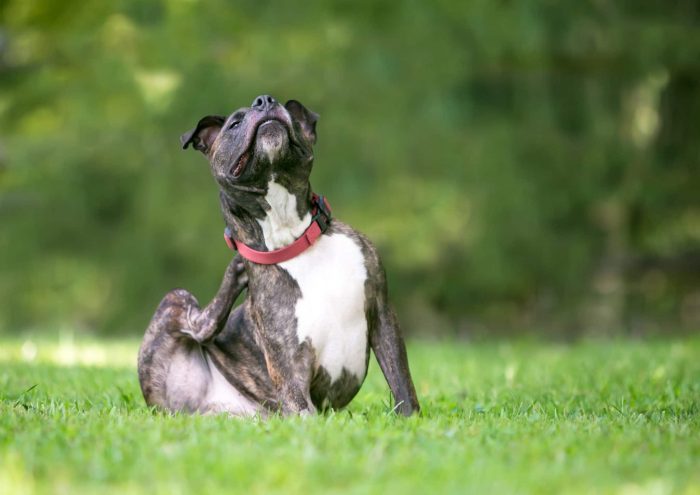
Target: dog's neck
{"type": "Point", "coordinates": [268, 221]}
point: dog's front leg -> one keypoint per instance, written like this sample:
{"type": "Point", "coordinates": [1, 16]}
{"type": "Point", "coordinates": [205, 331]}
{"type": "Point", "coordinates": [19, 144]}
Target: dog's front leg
{"type": "Point", "coordinates": [389, 348]}
{"type": "Point", "coordinates": [290, 369]}
{"type": "Point", "coordinates": [203, 325]}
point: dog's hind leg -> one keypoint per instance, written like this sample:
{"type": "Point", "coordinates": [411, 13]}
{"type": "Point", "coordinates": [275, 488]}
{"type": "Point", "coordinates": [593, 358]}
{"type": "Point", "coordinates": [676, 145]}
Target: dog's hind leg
{"type": "Point", "coordinates": [167, 356]}
{"type": "Point", "coordinates": [204, 325]}
{"type": "Point", "coordinates": [173, 370]}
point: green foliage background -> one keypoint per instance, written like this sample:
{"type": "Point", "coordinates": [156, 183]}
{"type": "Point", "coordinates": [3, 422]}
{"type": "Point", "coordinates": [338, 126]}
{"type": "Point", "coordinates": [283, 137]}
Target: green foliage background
{"type": "Point", "coordinates": [519, 164]}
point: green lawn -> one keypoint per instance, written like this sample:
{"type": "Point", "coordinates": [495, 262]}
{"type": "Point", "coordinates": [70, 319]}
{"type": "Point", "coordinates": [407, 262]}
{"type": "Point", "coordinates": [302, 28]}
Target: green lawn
{"type": "Point", "coordinates": [523, 417]}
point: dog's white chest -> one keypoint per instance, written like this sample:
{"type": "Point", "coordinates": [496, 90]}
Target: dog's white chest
{"type": "Point", "coordinates": [331, 311]}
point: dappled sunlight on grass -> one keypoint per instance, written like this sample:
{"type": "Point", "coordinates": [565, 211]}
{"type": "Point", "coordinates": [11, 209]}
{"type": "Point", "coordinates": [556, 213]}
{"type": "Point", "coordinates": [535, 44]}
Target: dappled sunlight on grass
{"type": "Point", "coordinates": [527, 417]}
{"type": "Point", "coordinates": [69, 350]}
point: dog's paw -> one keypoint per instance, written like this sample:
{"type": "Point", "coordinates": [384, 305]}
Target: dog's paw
{"type": "Point", "coordinates": [190, 333]}
{"type": "Point", "coordinates": [239, 272]}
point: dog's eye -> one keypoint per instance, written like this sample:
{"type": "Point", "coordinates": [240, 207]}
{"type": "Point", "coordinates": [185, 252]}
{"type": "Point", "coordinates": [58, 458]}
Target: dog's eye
{"type": "Point", "coordinates": [234, 124]}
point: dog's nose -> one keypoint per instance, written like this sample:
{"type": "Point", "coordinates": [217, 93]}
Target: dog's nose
{"type": "Point", "coordinates": [263, 102]}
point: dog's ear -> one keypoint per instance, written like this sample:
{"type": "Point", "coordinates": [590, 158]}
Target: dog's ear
{"type": "Point", "coordinates": [203, 136]}
{"type": "Point", "coordinates": [306, 118]}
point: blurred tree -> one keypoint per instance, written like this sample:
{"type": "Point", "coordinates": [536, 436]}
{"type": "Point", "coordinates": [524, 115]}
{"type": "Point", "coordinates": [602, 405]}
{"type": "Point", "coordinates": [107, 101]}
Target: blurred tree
{"type": "Point", "coordinates": [520, 164]}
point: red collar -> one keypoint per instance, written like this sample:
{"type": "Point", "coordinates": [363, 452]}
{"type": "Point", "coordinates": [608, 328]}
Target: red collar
{"type": "Point", "coordinates": [321, 212]}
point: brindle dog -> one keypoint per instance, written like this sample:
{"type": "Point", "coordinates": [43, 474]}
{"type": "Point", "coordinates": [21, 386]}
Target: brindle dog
{"type": "Point", "coordinates": [300, 341]}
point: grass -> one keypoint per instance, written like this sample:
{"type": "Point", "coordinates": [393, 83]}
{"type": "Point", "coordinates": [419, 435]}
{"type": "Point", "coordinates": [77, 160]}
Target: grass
{"type": "Point", "coordinates": [520, 417]}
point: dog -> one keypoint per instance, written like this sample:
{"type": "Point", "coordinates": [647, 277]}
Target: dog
{"type": "Point", "coordinates": [316, 289]}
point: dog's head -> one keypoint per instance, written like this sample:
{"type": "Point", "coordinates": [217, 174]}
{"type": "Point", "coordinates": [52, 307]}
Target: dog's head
{"type": "Point", "coordinates": [253, 144]}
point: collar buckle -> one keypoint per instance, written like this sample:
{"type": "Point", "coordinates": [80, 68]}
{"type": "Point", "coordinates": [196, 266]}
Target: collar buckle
{"type": "Point", "coordinates": [323, 214]}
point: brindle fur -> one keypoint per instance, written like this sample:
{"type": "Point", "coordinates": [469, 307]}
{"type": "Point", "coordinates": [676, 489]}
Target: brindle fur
{"type": "Point", "coordinates": [255, 346]}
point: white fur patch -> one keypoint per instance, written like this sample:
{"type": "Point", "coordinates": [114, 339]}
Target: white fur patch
{"type": "Point", "coordinates": [282, 225]}
{"type": "Point", "coordinates": [271, 146]}
{"type": "Point", "coordinates": [331, 312]}
{"type": "Point", "coordinates": [272, 143]}
{"type": "Point", "coordinates": [224, 397]}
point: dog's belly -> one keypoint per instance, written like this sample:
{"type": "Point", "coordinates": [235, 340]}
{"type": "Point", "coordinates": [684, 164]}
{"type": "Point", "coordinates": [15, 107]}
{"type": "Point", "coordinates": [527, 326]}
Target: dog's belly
{"type": "Point", "coordinates": [194, 383]}
{"type": "Point", "coordinates": [224, 397]}
{"type": "Point", "coordinates": [331, 275]}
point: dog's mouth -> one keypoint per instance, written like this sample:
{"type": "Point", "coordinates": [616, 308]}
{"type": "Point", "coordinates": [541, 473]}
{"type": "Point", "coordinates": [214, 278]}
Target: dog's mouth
{"type": "Point", "coordinates": [240, 165]}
